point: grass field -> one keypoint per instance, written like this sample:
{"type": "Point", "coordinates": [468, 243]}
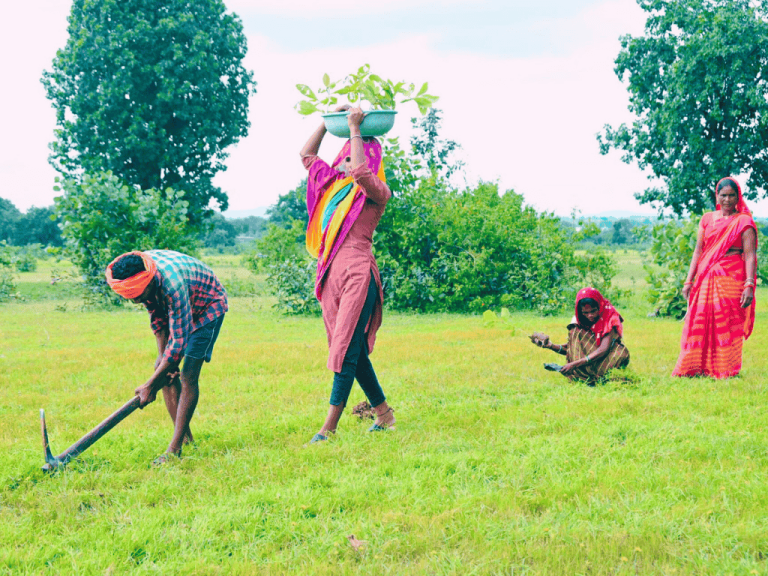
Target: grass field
{"type": "Point", "coordinates": [496, 467]}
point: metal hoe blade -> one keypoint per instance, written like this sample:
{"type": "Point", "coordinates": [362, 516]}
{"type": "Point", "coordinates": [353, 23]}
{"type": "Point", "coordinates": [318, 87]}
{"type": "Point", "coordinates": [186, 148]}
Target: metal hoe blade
{"type": "Point", "coordinates": [53, 462]}
{"type": "Point", "coordinates": [50, 461]}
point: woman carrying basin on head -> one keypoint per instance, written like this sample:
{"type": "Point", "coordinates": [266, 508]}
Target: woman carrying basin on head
{"type": "Point", "coordinates": [594, 344]}
{"type": "Point", "coordinates": [720, 288]}
{"type": "Point", "coordinates": [345, 202]}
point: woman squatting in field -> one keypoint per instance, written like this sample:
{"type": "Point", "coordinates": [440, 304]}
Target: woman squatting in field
{"type": "Point", "coordinates": [345, 202]}
{"type": "Point", "coordinates": [594, 340]}
{"type": "Point", "coordinates": [720, 288]}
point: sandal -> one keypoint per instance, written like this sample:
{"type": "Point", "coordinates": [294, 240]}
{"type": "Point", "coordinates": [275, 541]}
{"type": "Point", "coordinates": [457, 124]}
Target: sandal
{"type": "Point", "coordinates": [318, 438]}
{"type": "Point", "coordinates": [380, 428]}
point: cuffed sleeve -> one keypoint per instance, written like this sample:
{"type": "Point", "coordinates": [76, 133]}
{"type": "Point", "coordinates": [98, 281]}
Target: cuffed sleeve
{"type": "Point", "coordinates": [308, 160]}
{"type": "Point", "coordinates": [373, 188]}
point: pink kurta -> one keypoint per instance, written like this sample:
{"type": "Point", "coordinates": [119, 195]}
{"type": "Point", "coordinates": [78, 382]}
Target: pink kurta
{"type": "Point", "coordinates": [345, 284]}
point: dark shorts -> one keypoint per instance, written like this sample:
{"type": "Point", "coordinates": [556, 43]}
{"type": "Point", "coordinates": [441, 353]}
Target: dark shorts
{"type": "Point", "coordinates": [201, 341]}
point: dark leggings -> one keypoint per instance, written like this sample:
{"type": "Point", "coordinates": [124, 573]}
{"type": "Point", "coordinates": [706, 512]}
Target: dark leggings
{"type": "Point", "coordinates": [356, 362]}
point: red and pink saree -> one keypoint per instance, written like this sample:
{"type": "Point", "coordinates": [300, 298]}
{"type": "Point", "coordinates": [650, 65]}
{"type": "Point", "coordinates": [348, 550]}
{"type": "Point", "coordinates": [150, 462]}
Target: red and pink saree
{"type": "Point", "coordinates": [716, 325]}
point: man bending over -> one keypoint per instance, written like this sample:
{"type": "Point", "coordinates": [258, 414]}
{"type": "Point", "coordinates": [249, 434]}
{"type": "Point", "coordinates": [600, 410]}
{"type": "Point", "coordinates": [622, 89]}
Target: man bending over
{"type": "Point", "coordinates": [186, 304]}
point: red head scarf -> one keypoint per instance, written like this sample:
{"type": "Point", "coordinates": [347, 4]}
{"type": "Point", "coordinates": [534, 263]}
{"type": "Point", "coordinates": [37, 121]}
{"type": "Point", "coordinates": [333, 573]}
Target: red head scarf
{"type": "Point", "coordinates": [132, 287]}
{"type": "Point", "coordinates": [741, 207]}
{"type": "Point", "coordinates": [608, 320]}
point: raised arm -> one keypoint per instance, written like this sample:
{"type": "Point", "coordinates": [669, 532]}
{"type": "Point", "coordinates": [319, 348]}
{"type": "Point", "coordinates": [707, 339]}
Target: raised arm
{"type": "Point", "coordinates": [313, 144]}
{"type": "Point", "coordinates": [694, 261]}
{"type": "Point", "coordinates": [373, 188]}
{"type": "Point", "coordinates": [354, 120]}
{"type": "Point", "coordinates": [312, 147]}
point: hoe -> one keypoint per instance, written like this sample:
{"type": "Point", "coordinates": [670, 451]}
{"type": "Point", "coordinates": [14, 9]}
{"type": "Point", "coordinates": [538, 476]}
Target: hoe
{"type": "Point", "coordinates": [53, 462]}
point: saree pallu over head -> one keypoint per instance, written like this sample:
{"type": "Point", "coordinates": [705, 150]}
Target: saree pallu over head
{"type": "Point", "coordinates": [716, 325]}
{"type": "Point", "coordinates": [334, 203]}
{"type": "Point", "coordinates": [719, 236]}
{"type": "Point", "coordinates": [609, 317]}
{"type": "Point", "coordinates": [134, 286]}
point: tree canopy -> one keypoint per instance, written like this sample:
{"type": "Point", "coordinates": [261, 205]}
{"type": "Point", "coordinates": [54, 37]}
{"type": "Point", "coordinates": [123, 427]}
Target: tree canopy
{"type": "Point", "coordinates": [153, 91]}
{"type": "Point", "coordinates": [102, 218]}
{"type": "Point", "coordinates": [698, 87]}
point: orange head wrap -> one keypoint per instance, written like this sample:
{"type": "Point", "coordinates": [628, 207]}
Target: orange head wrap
{"type": "Point", "coordinates": [134, 286]}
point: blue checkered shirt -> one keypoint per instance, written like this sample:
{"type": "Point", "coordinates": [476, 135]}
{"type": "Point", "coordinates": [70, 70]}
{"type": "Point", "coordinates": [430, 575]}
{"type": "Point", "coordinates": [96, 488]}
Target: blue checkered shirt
{"type": "Point", "coordinates": [189, 296]}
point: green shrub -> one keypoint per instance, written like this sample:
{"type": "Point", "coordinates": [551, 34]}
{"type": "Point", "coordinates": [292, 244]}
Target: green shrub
{"type": "Point", "coordinates": [672, 246]}
{"type": "Point", "coordinates": [103, 218]}
{"type": "Point", "coordinates": [24, 261]}
{"type": "Point", "coordinates": [762, 257]}
{"type": "Point", "coordinates": [280, 243]}
{"type": "Point", "coordinates": [7, 277]}
{"type": "Point", "coordinates": [293, 283]}
{"type": "Point", "coordinates": [238, 287]}
{"type": "Point", "coordinates": [289, 267]}
{"type": "Point", "coordinates": [443, 250]}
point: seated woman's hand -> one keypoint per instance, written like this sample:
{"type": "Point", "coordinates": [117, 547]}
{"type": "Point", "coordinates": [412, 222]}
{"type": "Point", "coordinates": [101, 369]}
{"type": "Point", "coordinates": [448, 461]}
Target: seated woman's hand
{"type": "Point", "coordinates": [342, 108]}
{"type": "Point", "coordinates": [355, 118]}
{"type": "Point", "coordinates": [568, 368]}
{"type": "Point", "coordinates": [540, 339]}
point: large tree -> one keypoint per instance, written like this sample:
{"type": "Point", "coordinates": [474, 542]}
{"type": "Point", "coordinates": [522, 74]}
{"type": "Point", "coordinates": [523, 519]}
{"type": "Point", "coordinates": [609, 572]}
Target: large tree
{"type": "Point", "coordinates": [698, 85]}
{"type": "Point", "coordinates": [153, 91]}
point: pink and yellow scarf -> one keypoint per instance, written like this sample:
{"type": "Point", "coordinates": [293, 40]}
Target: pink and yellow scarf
{"type": "Point", "coordinates": [334, 203]}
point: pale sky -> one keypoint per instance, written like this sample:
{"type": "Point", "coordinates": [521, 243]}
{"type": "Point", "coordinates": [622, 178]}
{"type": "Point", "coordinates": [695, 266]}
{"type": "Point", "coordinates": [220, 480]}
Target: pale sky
{"type": "Point", "coordinates": [524, 86]}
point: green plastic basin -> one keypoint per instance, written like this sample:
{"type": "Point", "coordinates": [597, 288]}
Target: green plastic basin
{"type": "Point", "coordinates": [375, 123]}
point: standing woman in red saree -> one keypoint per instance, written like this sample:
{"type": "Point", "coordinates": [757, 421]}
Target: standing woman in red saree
{"type": "Point", "coordinates": [720, 288]}
{"type": "Point", "coordinates": [345, 202]}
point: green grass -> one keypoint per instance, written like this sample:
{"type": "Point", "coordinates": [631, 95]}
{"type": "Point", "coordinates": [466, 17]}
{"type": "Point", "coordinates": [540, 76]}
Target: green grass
{"type": "Point", "coordinates": [496, 467]}
{"type": "Point", "coordinates": [53, 280]}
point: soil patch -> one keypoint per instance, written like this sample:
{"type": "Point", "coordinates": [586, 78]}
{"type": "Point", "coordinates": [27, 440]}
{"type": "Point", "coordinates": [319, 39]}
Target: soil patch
{"type": "Point", "coordinates": [363, 411]}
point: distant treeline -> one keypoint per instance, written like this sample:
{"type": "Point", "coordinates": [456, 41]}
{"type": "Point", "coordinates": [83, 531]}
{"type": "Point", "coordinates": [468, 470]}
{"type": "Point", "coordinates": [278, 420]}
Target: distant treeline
{"type": "Point", "coordinates": [41, 226]}
{"type": "Point", "coordinates": [36, 226]}
{"type": "Point", "coordinates": [632, 231]}
{"type": "Point", "coordinates": [230, 232]}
